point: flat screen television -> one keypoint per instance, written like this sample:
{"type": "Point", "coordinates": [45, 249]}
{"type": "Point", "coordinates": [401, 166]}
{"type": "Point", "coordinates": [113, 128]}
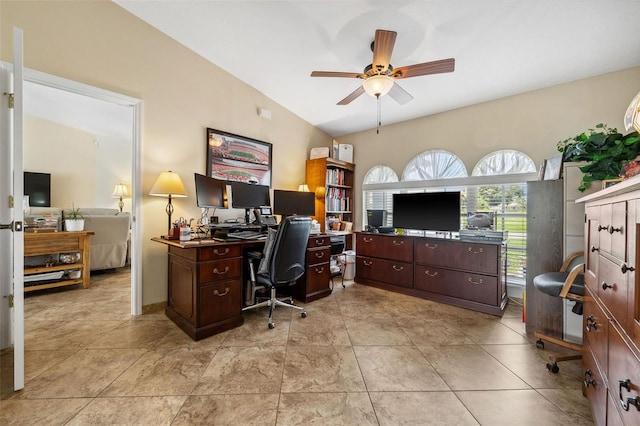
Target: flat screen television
{"type": "Point", "coordinates": [210, 192]}
{"type": "Point", "coordinates": [376, 218]}
{"type": "Point", "coordinates": [289, 203]}
{"type": "Point", "coordinates": [38, 187]}
{"type": "Point", "coordinates": [433, 211]}
{"type": "Point", "coordinates": [249, 196]}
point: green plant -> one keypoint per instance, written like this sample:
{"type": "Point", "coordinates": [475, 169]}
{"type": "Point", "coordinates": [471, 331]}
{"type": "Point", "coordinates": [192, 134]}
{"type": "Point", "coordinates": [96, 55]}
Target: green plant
{"type": "Point", "coordinates": [606, 150]}
{"type": "Point", "coordinates": [73, 213]}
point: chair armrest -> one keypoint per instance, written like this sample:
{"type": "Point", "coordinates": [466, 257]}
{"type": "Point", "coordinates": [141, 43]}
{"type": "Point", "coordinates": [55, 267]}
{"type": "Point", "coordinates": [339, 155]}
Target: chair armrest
{"type": "Point", "coordinates": [254, 255]}
{"type": "Point", "coordinates": [569, 259]}
{"type": "Point", "coordinates": [571, 278]}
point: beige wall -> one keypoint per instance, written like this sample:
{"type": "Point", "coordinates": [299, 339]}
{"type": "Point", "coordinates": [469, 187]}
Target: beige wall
{"type": "Point", "coordinates": [99, 43]}
{"type": "Point", "coordinates": [532, 123]}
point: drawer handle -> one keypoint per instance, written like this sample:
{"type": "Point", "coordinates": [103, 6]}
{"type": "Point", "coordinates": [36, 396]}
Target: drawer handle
{"type": "Point", "coordinates": [397, 268]}
{"type": "Point", "coordinates": [319, 269]}
{"type": "Point", "coordinates": [217, 293]}
{"type": "Point", "coordinates": [625, 403]}
{"type": "Point", "coordinates": [606, 286]}
{"type": "Point", "coordinates": [594, 248]}
{"type": "Point", "coordinates": [612, 230]}
{"type": "Point", "coordinates": [319, 255]}
{"type": "Point", "coordinates": [474, 251]}
{"type": "Point", "coordinates": [218, 253]}
{"type": "Point", "coordinates": [367, 240]}
{"type": "Point", "coordinates": [591, 324]}
{"type": "Point", "coordinates": [624, 268]}
{"type": "Point", "coordinates": [398, 243]}
{"type": "Point", "coordinates": [587, 381]}
{"type": "Point", "coordinates": [367, 263]}
{"type": "Point", "coordinates": [603, 228]}
{"type": "Point", "coordinates": [319, 242]}
{"type": "Point", "coordinates": [474, 282]}
{"type": "Point", "coordinates": [431, 274]}
{"type": "Point", "coordinates": [217, 272]}
{"type": "Point", "coordinates": [429, 246]}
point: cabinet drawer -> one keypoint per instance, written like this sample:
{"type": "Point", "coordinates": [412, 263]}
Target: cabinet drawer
{"type": "Point", "coordinates": [221, 252]}
{"type": "Point", "coordinates": [318, 241]}
{"type": "Point", "coordinates": [219, 270]}
{"type": "Point", "coordinates": [387, 271]}
{"type": "Point", "coordinates": [386, 247]}
{"type": "Point", "coordinates": [596, 328]}
{"type": "Point", "coordinates": [316, 256]}
{"type": "Point", "coordinates": [593, 248]}
{"type": "Point", "coordinates": [594, 386]}
{"type": "Point", "coordinates": [612, 289]}
{"type": "Point", "coordinates": [317, 278]}
{"type": "Point", "coordinates": [457, 255]}
{"type": "Point", "coordinates": [612, 229]}
{"type": "Point", "coordinates": [462, 285]}
{"type": "Point", "coordinates": [219, 302]}
{"type": "Point", "coordinates": [624, 377]}
{"type": "Point", "coordinates": [63, 243]}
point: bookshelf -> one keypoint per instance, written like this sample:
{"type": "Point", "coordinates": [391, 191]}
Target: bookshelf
{"type": "Point", "coordinates": [332, 182]}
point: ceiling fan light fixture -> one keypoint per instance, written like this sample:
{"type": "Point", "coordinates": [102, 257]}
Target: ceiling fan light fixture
{"type": "Point", "coordinates": [378, 85]}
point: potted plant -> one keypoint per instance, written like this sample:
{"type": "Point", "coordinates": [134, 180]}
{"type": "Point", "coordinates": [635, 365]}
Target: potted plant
{"type": "Point", "coordinates": [606, 150]}
{"type": "Point", "coordinates": [73, 220]}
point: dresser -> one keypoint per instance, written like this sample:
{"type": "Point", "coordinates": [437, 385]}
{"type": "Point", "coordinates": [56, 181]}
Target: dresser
{"type": "Point", "coordinates": [611, 316]}
{"type": "Point", "coordinates": [467, 274]}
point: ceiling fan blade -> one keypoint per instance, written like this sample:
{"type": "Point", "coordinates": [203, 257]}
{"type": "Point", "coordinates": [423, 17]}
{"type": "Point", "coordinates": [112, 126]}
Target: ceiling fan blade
{"type": "Point", "coordinates": [382, 48]}
{"type": "Point", "coordinates": [434, 67]}
{"type": "Point", "coordinates": [336, 74]}
{"type": "Point", "coordinates": [399, 95]}
{"type": "Point", "coordinates": [353, 95]}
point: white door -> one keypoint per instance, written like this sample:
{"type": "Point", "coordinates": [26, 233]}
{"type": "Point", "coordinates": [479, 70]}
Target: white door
{"type": "Point", "coordinates": [11, 214]}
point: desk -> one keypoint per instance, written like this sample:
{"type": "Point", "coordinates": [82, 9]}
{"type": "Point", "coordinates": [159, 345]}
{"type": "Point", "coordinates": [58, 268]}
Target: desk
{"type": "Point", "coordinates": [205, 282]}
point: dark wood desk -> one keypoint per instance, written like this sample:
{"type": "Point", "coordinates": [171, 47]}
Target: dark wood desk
{"type": "Point", "coordinates": [205, 282]}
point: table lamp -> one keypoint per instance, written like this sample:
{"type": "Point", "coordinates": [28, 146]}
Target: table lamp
{"type": "Point", "coordinates": [168, 185]}
{"type": "Point", "coordinates": [120, 191]}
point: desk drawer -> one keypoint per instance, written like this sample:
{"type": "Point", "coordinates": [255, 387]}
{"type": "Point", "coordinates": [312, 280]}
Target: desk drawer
{"type": "Point", "coordinates": [317, 278]}
{"type": "Point", "coordinates": [387, 271]}
{"type": "Point", "coordinates": [316, 256]}
{"type": "Point", "coordinates": [318, 241]}
{"type": "Point", "coordinates": [385, 247]}
{"type": "Point", "coordinates": [220, 252]}
{"type": "Point", "coordinates": [457, 255]}
{"type": "Point", "coordinates": [219, 302]}
{"type": "Point", "coordinates": [462, 285]}
{"type": "Point", "coordinates": [219, 270]}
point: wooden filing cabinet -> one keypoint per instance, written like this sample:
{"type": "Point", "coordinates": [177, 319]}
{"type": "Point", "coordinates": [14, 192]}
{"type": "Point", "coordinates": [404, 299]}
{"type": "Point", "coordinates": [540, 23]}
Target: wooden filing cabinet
{"type": "Point", "coordinates": [314, 284]}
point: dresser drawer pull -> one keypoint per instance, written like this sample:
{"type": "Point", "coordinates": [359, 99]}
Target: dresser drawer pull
{"type": "Point", "coordinates": [398, 243]}
{"type": "Point", "coordinates": [594, 248]}
{"type": "Point", "coordinates": [429, 246]}
{"type": "Point", "coordinates": [397, 268]}
{"type": "Point", "coordinates": [591, 323]}
{"type": "Point", "coordinates": [474, 251]}
{"type": "Point", "coordinates": [367, 263]}
{"type": "Point", "coordinates": [474, 282]}
{"type": "Point", "coordinates": [319, 254]}
{"type": "Point", "coordinates": [431, 274]}
{"type": "Point", "coordinates": [624, 268]}
{"type": "Point", "coordinates": [587, 381]}
{"type": "Point", "coordinates": [319, 241]}
{"type": "Point", "coordinates": [603, 228]}
{"type": "Point", "coordinates": [629, 401]}
{"type": "Point", "coordinates": [367, 240]}
{"type": "Point", "coordinates": [217, 293]}
{"type": "Point", "coordinates": [218, 253]}
{"type": "Point", "coordinates": [612, 230]}
{"type": "Point", "coordinates": [606, 286]}
{"type": "Point", "coordinates": [217, 272]}
{"type": "Point", "coordinates": [319, 269]}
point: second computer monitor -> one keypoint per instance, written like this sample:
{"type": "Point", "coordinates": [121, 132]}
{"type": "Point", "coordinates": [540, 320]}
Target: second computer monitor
{"type": "Point", "coordinates": [210, 192]}
{"type": "Point", "coordinates": [288, 203]}
{"type": "Point", "coordinates": [249, 196]}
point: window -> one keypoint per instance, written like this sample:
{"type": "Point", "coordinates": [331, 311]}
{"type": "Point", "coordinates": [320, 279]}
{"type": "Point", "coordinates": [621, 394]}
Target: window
{"type": "Point", "coordinates": [434, 164]}
{"type": "Point", "coordinates": [378, 200]}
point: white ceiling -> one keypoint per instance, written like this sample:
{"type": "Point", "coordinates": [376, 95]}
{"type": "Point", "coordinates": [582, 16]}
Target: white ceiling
{"type": "Point", "coordinates": [501, 48]}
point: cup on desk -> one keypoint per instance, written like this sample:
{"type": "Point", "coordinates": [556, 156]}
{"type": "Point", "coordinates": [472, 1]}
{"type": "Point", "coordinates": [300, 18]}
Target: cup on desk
{"type": "Point", "coordinates": [185, 233]}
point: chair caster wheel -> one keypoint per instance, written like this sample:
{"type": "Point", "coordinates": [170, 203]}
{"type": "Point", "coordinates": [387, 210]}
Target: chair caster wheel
{"type": "Point", "coordinates": [553, 367]}
{"type": "Point", "coordinates": [303, 314]}
{"type": "Point", "coordinates": [540, 344]}
{"type": "Point", "coordinates": [272, 325]}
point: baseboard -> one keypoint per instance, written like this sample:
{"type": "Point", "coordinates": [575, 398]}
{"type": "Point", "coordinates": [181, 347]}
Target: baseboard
{"type": "Point", "coordinates": [154, 308]}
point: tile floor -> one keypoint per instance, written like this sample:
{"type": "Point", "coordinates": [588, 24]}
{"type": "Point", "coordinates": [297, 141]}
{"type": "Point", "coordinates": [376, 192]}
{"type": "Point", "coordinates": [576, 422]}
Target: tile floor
{"type": "Point", "coordinates": [363, 356]}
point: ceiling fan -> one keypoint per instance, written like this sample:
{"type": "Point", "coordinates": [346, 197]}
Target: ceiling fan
{"type": "Point", "coordinates": [379, 76]}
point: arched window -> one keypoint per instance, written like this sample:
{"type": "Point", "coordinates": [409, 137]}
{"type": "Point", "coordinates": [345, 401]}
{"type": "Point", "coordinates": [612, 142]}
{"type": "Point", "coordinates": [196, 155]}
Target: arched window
{"type": "Point", "coordinates": [378, 200]}
{"type": "Point", "coordinates": [380, 174]}
{"type": "Point", "coordinates": [504, 162]}
{"type": "Point", "coordinates": [434, 164]}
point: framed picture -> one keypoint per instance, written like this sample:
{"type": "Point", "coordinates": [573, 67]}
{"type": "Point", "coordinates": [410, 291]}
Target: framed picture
{"type": "Point", "coordinates": [610, 182]}
{"type": "Point", "coordinates": [237, 158]}
{"type": "Point", "coordinates": [553, 168]}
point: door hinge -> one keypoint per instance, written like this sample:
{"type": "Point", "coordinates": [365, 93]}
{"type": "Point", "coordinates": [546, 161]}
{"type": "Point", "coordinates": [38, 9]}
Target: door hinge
{"type": "Point", "coordinates": [10, 300]}
{"type": "Point", "coordinates": [10, 201]}
{"type": "Point", "coordinates": [11, 98]}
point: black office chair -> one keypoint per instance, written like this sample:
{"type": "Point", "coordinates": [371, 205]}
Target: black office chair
{"type": "Point", "coordinates": [567, 283]}
{"type": "Point", "coordinates": [283, 262]}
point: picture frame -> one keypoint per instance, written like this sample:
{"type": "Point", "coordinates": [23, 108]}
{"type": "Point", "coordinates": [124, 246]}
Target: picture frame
{"type": "Point", "coordinates": [238, 158]}
{"type": "Point", "coordinates": [610, 182]}
{"type": "Point", "coordinates": [553, 168]}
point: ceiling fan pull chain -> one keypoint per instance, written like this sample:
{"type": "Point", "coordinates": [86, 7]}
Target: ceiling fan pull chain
{"type": "Point", "coordinates": [379, 114]}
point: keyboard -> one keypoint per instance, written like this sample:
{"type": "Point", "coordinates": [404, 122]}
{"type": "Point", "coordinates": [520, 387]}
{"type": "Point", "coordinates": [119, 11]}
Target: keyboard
{"type": "Point", "coordinates": [246, 235]}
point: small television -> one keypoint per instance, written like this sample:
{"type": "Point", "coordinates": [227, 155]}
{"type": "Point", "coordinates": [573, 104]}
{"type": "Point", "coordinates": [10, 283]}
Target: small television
{"type": "Point", "coordinates": [289, 203]}
{"type": "Point", "coordinates": [376, 218]}
{"type": "Point", "coordinates": [433, 211]}
{"type": "Point", "coordinates": [210, 192]}
{"type": "Point", "coordinates": [38, 187]}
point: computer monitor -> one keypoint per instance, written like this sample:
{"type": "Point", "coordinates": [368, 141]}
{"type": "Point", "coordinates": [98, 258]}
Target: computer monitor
{"type": "Point", "coordinates": [210, 192]}
{"type": "Point", "coordinates": [376, 218]}
{"type": "Point", "coordinates": [249, 196]}
{"type": "Point", "coordinates": [289, 203]}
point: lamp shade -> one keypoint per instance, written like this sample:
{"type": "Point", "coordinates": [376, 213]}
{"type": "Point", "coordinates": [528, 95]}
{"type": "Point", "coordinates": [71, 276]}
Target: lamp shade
{"type": "Point", "coordinates": [632, 116]}
{"type": "Point", "coordinates": [168, 184]}
{"type": "Point", "coordinates": [378, 85]}
{"type": "Point", "coordinates": [303, 188]}
{"type": "Point", "coordinates": [120, 191]}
